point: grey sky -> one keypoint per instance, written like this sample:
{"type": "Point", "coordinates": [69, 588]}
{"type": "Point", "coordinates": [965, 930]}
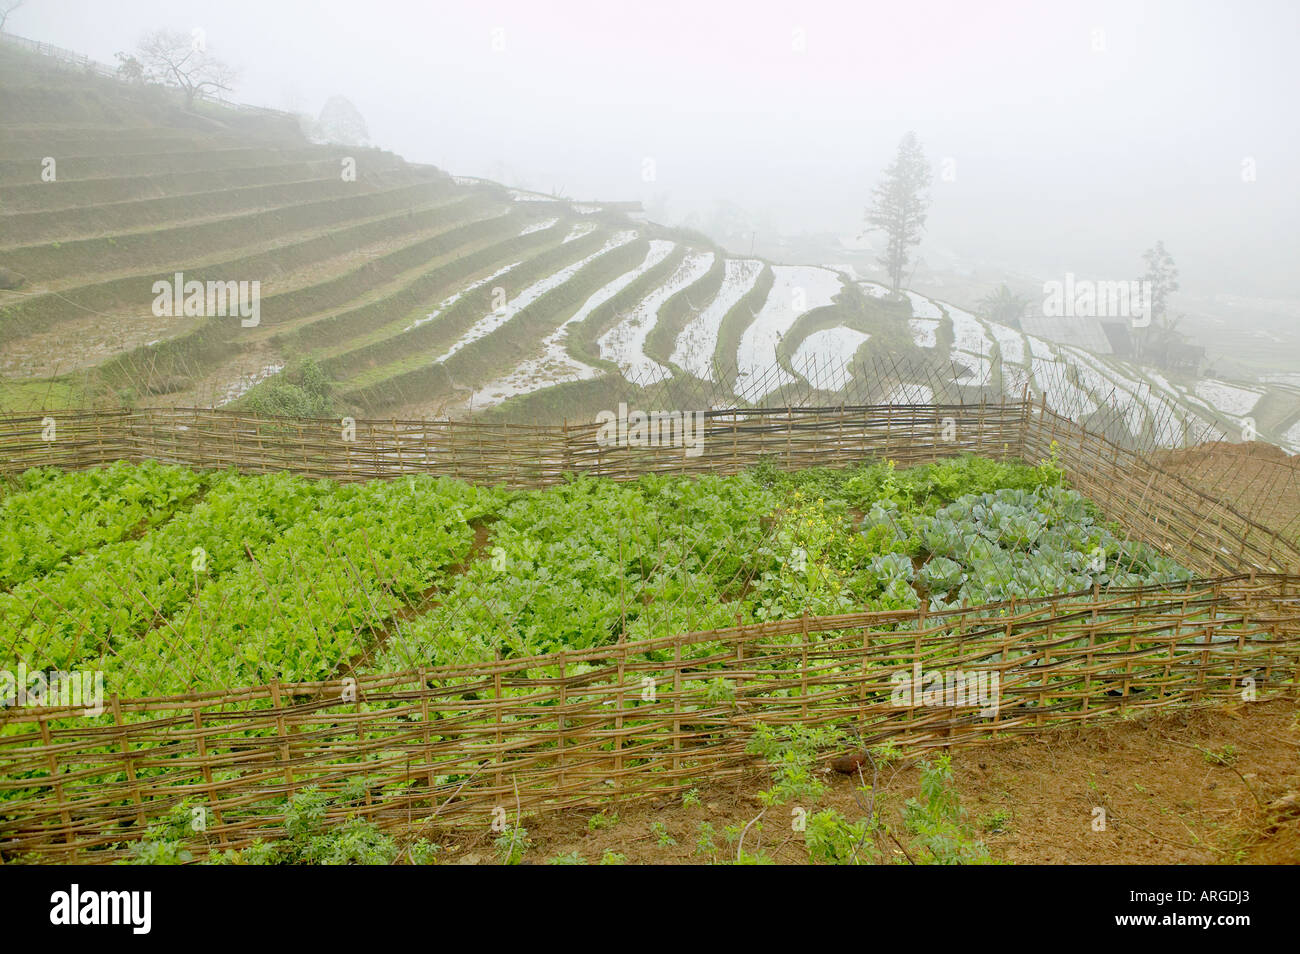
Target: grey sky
{"type": "Point", "coordinates": [1072, 149]}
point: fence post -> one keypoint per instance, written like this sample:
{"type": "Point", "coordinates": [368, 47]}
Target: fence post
{"type": "Point", "coordinates": [1022, 451]}
{"type": "Point", "coordinates": [916, 684]}
{"type": "Point", "coordinates": [889, 430]}
{"type": "Point", "coordinates": [283, 735]}
{"type": "Point", "coordinates": [202, 747]}
{"type": "Point", "coordinates": [1051, 440]}
{"type": "Point", "coordinates": [936, 434]}
{"type": "Point", "coordinates": [677, 704]}
{"type": "Point", "coordinates": [566, 452]}
{"type": "Point", "coordinates": [1005, 653]}
{"type": "Point", "coordinates": [803, 666]}
{"type": "Point", "coordinates": [789, 436]}
{"type": "Point", "coordinates": [425, 735]}
{"type": "Point", "coordinates": [866, 670]}
{"type": "Point", "coordinates": [499, 736]}
{"type": "Point", "coordinates": [740, 673]}
{"type": "Point", "coordinates": [618, 715]}
{"type": "Point", "coordinates": [735, 441]}
{"type": "Point", "coordinates": [1002, 421]}
{"type": "Point", "coordinates": [839, 440]}
{"type": "Point", "coordinates": [53, 762]}
{"type": "Point", "coordinates": [130, 763]}
{"type": "Point", "coordinates": [559, 721]}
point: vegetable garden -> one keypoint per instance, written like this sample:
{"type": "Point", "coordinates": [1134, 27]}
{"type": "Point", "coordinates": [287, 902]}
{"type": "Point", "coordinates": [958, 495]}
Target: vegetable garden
{"type": "Point", "coordinates": [433, 646]}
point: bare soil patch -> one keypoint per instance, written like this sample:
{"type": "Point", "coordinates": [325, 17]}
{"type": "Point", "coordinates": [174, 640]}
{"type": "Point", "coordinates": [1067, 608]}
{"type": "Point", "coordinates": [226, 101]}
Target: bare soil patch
{"type": "Point", "coordinates": [1190, 786]}
{"type": "Point", "coordinates": [1259, 480]}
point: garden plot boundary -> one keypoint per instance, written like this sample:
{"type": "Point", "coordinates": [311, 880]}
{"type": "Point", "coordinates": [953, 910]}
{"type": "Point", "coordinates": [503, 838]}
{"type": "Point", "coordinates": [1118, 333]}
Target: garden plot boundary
{"type": "Point", "coordinates": [442, 748]}
{"type": "Point", "coordinates": [1208, 534]}
{"type": "Point", "coordinates": [516, 455]}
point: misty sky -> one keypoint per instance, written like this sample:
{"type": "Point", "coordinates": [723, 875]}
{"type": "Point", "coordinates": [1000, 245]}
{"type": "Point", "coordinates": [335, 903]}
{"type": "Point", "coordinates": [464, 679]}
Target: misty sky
{"type": "Point", "coordinates": [1073, 149]}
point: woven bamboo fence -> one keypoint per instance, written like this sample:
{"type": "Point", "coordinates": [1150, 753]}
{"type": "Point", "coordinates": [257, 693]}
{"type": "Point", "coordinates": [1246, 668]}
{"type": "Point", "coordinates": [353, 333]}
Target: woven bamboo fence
{"type": "Point", "coordinates": [517, 455]}
{"type": "Point", "coordinates": [1205, 533]}
{"type": "Point", "coordinates": [444, 747]}
{"type": "Point", "coordinates": [1208, 535]}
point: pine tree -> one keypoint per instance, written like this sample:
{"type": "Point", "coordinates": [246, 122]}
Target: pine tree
{"type": "Point", "coordinates": [898, 206]}
{"type": "Point", "coordinates": [1162, 273]}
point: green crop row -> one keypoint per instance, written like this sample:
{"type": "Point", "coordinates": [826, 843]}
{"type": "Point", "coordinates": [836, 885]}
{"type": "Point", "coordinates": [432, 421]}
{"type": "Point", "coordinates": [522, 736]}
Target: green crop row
{"type": "Point", "coordinates": [279, 577]}
{"type": "Point", "coordinates": [53, 515]}
{"type": "Point", "coordinates": [317, 599]}
{"type": "Point", "coordinates": [87, 608]}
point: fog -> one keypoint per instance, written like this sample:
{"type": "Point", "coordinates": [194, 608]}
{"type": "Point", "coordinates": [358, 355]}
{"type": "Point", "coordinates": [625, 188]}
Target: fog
{"type": "Point", "coordinates": [1064, 136]}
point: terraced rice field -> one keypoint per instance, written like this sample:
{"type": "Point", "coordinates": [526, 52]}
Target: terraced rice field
{"type": "Point", "coordinates": [418, 293]}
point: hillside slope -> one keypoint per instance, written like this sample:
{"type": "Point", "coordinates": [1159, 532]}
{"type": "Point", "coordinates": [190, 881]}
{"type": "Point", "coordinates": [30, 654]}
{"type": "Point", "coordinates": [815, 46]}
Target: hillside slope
{"type": "Point", "coordinates": [417, 293]}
